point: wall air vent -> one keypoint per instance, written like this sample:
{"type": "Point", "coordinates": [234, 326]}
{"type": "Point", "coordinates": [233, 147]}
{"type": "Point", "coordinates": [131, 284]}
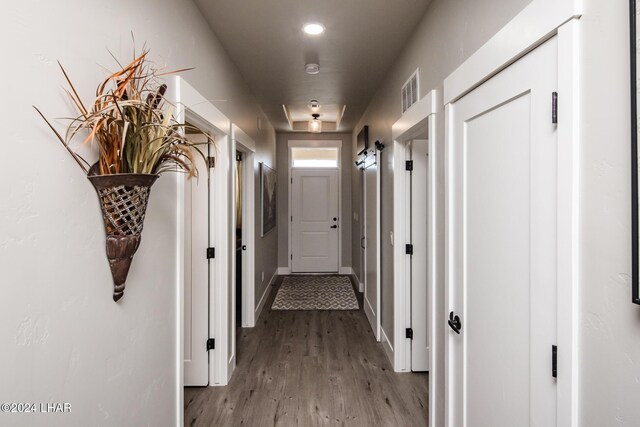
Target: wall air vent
{"type": "Point", "coordinates": [410, 91]}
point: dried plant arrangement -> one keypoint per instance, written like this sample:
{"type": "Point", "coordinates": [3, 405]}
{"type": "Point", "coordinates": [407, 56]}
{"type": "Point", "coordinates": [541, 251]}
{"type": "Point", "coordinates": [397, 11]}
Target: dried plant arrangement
{"type": "Point", "coordinates": [138, 139]}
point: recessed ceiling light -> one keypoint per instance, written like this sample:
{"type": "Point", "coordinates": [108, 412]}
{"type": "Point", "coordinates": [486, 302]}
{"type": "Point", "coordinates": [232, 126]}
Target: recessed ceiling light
{"type": "Point", "coordinates": [313, 28]}
{"type": "Point", "coordinates": [312, 68]}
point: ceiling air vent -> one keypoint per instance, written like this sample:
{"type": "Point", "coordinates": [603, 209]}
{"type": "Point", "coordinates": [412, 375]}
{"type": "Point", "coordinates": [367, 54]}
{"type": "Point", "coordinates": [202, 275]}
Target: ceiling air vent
{"type": "Point", "coordinates": [410, 91]}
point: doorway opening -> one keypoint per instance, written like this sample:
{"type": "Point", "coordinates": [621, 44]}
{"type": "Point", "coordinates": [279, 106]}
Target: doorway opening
{"type": "Point", "coordinates": [207, 245]}
{"type": "Point", "coordinates": [370, 181]}
{"type": "Point", "coordinates": [315, 243]}
{"type": "Point", "coordinates": [418, 251]}
{"type": "Point", "coordinates": [242, 229]}
{"type": "Point", "coordinates": [239, 244]}
{"type": "Point", "coordinates": [201, 276]}
{"type": "Point", "coordinates": [416, 197]}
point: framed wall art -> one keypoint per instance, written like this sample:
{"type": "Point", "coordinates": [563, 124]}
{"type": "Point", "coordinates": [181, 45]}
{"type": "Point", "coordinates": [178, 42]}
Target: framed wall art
{"type": "Point", "coordinates": [635, 280]}
{"type": "Point", "coordinates": [268, 198]}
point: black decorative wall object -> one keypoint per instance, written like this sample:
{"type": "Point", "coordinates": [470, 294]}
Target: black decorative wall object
{"type": "Point", "coordinates": [635, 280]}
{"type": "Point", "coordinates": [363, 139]}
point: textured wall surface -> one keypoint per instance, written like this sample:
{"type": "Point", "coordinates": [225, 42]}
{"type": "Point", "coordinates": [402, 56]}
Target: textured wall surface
{"type": "Point", "coordinates": [609, 340]}
{"type": "Point", "coordinates": [63, 338]}
{"type": "Point", "coordinates": [283, 192]}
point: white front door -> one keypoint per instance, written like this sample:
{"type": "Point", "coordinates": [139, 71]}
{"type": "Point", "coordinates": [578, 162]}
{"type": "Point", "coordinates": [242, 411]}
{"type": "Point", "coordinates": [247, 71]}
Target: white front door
{"type": "Point", "coordinates": [417, 152]}
{"type": "Point", "coordinates": [315, 221]}
{"type": "Point", "coordinates": [502, 248]}
{"type": "Point", "coordinates": [196, 281]}
{"type": "Point", "coordinates": [372, 250]}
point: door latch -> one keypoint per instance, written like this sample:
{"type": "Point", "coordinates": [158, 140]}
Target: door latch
{"type": "Point", "coordinates": [455, 323]}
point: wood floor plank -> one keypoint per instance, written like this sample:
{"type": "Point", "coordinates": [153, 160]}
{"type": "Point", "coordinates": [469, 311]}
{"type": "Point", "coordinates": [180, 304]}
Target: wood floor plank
{"type": "Point", "coordinates": [311, 368]}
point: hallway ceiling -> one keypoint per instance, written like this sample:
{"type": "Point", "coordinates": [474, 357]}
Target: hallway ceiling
{"type": "Point", "coordinates": [265, 40]}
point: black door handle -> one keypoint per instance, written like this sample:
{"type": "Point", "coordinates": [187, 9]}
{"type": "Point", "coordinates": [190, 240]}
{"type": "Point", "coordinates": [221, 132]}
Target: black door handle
{"type": "Point", "coordinates": [455, 323]}
{"type": "Point", "coordinates": [244, 247]}
{"type": "Point", "coordinates": [334, 226]}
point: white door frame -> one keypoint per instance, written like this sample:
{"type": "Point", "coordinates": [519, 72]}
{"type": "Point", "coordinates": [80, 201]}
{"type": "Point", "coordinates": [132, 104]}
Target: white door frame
{"type": "Point", "coordinates": [374, 316]}
{"type": "Point", "coordinates": [422, 115]}
{"type": "Point", "coordinates": [543, 19]}
{"type": "Point", "coordinates": [243, 143]}
{"type": "Point", "coordinates": [190, 103]}
{"type": "Point", "coordinates": [319, 143]}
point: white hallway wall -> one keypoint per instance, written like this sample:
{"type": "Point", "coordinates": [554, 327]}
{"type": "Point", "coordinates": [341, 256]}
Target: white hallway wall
{"type": "Point", "coordinates": [609, 340]}
{"type": "Point", "coordinates": [63, 338]}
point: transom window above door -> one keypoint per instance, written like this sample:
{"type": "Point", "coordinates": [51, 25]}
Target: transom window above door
{"type": "Point", "coordinates": [314, 157]}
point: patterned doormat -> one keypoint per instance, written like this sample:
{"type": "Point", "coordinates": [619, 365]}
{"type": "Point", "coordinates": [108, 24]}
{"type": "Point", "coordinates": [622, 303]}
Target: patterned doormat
{"type": "Point", "coordinates": [315, 293]}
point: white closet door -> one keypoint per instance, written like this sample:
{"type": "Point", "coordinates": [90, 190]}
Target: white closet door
{"type": "Point", "coordinates": [196, 282]}
{"type": "Point", "coordinates": [419, 260]}
{"type": "Point", "coordinates": [502, 248]}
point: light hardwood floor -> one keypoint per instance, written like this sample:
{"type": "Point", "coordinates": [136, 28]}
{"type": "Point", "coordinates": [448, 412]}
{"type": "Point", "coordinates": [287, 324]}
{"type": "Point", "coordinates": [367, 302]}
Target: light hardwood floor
{"type": "Point", "coordinates": [310, 368]}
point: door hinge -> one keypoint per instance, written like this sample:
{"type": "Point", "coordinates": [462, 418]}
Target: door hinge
{"type": "Point", "coordinates": [408, 249]}
{"type": "Point", "coordinates": [211, 162]}
{"type": "Point", "coordinates": [292, 257]}
{"type": "Point", "coordinates": [211, 344]}
{"type": "Point", "coordinates": [291, 218]}
{"type": "Point", "coordinates": [554, 108]}
{"type": "Point", "coordinates": [211, 253]}
{"type": "Point", "coordinates": [554, 361]}
{"type": "Point", "coordinates": [409, 333]}
{"type": "Point", "coordinates": [408, 165]}
{"type": "Point", "coordinates": [292, 180]}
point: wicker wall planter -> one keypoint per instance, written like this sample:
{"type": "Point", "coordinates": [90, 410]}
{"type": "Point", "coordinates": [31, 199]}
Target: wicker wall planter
{"type": "Point", "coordinates": [137, 138]}
{"type": "Point", "coordinates": [123, 200]}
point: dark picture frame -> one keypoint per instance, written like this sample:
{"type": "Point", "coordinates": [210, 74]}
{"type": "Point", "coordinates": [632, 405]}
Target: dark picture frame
{"type": "Point", "coordinates": [635, 279]}
{"type": "Point", "coordinates": [268, 200]}
{"type": "Point", "coordinates": [363, 139]}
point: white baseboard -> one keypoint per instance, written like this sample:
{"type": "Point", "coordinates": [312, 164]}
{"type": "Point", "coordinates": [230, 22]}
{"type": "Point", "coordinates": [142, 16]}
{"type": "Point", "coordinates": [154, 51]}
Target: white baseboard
{"type": "Point", "coordinates": [371, 317]}
{"type": "Point", "coordinates": [386, 344]}
{"type": "Point", "coordinates": [265, 296]}
{"type": "Point", "coordinates": [283, 271]}
{"type": "Point", "coordinates": [231, 367]}
{"type": "Point", "coordinates": [360, 284]}
{"type": "Point", "coordinates": [345, 270]}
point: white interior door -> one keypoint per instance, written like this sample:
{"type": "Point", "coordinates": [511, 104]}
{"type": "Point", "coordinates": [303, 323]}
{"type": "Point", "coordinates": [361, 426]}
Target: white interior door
{"type": "Point", "coordinates": [417, 152]}
{"type": "Point", "coordinates": [502, 251]}
{"type": "Point", "coordinates": [196, 281]}
{"type": "Point", "coordinates": [315, 222]}
{"type": "Point", "coordinates": [372, 250]}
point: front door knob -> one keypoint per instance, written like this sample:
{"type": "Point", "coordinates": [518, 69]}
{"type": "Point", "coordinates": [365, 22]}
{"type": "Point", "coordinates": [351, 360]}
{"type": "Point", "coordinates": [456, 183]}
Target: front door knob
{"type": "Point", "coordinates": [334, 226]}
